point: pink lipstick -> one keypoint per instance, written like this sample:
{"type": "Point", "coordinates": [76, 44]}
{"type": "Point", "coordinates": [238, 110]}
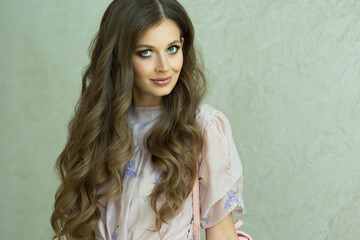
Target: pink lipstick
{"type": "Point", "coordinates": [162, 81]}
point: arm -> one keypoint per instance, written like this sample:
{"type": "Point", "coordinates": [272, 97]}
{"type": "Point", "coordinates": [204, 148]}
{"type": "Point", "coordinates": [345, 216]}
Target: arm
{"type": "Point", "coordinates": [223, 230]}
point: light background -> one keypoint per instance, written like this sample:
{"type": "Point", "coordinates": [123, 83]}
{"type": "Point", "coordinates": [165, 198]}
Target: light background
{"type": "Point", "coordinates": [286, 74]}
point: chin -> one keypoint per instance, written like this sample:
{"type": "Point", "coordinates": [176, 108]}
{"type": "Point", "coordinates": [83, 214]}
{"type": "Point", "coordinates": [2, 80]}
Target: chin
{"type": "Point", "coordinates": [167, 91]}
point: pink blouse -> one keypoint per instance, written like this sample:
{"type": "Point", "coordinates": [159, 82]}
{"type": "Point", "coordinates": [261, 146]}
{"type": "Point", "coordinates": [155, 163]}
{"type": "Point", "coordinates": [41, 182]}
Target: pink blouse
{"type": "Point", "coordinates": [220, 173]}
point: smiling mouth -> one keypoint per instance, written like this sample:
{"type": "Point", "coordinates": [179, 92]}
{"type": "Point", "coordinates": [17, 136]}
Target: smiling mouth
{"type": "Point", "coordinates": [162, 81]}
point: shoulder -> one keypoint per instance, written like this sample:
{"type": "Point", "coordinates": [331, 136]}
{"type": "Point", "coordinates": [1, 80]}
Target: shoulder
{"type": "Point", "coordinates": [207, 116]}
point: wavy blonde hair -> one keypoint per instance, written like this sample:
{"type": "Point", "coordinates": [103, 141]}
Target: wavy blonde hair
{"type": "Point", "coordinates": [100, 138]}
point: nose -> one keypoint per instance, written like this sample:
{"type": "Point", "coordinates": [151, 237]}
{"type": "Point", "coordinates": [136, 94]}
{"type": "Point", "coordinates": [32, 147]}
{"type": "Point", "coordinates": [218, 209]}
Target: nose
{"type": "Point", "coordinates": [162, 64]}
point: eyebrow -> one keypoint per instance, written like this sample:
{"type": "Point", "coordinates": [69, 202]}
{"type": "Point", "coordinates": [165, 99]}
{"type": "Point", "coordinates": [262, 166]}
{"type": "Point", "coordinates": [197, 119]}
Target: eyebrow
{"type": "Point", "coordinates": [149, 46]}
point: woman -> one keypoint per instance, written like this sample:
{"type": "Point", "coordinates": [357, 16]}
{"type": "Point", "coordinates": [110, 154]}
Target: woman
{"type": "Point", "coordinates": [139, 134]}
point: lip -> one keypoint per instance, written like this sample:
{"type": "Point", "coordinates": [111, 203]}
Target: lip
{"type": "Point", "coordinates": [162, 81]}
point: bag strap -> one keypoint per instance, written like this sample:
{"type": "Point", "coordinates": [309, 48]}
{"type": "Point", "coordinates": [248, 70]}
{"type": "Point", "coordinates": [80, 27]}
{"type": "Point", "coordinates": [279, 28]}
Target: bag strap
{"type": "Point", "coordinates": [196, 206]}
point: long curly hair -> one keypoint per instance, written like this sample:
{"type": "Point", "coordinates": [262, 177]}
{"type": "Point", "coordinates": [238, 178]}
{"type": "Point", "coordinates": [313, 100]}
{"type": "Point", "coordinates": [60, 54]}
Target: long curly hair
{"type": "Point", "coordinates": [100, 139]}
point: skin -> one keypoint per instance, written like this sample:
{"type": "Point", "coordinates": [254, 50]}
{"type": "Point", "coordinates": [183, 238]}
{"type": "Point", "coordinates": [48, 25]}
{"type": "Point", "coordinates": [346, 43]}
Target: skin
{"type": "Point", "coordinates": [224, 230]}
{"type": "Point", "coordinates": [158, 54]}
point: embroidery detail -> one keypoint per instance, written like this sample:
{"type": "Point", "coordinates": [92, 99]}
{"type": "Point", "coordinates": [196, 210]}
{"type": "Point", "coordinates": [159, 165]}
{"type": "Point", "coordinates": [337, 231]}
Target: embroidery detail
{"type": "Point", "coordinates": [229, 160]}
{"type": "Point", "coordinates": [146, 197]}
{"type": "Point", "coordinates": [232, 198]}
{"type": "Point", "coordinates": [157, 177]}
{"type": "Point", "coordinates": [116, 233]}
{"type": "Point", "coordinates": [128, 171]}
{"type": "Point", "coordinates": [236, 190]}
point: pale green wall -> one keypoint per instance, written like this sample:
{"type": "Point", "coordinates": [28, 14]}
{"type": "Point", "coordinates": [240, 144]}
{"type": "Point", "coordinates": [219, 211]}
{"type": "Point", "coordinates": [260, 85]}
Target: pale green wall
{"type": "Point", "coordinates": [286, 74]}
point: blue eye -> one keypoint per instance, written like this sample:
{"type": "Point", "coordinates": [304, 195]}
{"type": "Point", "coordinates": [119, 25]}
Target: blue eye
{"type": "Point", "coordinates": [145, 53]}
{"type": "Point", "coordinates": [173, 49]}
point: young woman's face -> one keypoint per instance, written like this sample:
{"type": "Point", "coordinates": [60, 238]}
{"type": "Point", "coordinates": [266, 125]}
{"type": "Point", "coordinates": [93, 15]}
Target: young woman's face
{"type": "Point", "coordinates": [157, 62]}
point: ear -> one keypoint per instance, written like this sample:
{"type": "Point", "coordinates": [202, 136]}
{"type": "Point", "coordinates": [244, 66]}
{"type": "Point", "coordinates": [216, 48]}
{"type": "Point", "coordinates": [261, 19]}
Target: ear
{"type": "Point", "coordinates": [182, 41]}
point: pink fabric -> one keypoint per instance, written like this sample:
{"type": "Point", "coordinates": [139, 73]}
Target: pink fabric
{"type": "Point", "coordinates": [220, 184]}
{"type": "Point", "coordinates": [196, 210]}
{"type": "Point", "coordinates": [240, 234]}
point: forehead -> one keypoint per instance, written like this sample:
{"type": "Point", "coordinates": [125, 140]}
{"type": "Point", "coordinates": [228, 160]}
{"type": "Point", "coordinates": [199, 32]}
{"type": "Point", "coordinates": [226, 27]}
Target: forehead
{"type": "Point", "coordinates": [161, 34]}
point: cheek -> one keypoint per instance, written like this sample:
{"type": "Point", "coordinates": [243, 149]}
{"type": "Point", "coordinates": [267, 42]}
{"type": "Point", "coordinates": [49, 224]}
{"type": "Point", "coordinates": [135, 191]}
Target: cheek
{"type": "Point", "coordinates": [141, 68]}
{"type": "Point", "coordinates": [178, 63]}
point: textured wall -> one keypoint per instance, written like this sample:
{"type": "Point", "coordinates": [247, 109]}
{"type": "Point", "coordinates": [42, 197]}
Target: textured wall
{"type": "Point", "coordinates": [43, 50]}
{"type": "Point", "coordinates": [286, 73]}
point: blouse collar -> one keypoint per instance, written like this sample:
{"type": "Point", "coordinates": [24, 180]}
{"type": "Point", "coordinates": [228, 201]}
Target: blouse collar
{"type": "Point", "coordinates": [145, 114]}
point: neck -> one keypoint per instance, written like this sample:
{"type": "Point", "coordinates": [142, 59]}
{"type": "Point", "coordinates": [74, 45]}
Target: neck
{"type": "Point", "coordinates": [151, 102]}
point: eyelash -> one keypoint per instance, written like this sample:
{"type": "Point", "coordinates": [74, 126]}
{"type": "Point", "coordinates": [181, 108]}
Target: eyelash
{"type": "Point", "coordinates": [174, 46]}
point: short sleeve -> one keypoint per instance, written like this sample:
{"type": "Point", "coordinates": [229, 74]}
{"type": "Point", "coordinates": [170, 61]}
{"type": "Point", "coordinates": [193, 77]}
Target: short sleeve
{"type": "Point", "coordinates": [220, 173]}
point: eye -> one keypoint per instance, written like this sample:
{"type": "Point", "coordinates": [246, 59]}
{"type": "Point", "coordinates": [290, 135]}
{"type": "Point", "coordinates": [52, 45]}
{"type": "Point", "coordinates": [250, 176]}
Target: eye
{"type": "Point", "coordinates": [145, 53]}
{"type": "Point", "coordinates": [173, 49]}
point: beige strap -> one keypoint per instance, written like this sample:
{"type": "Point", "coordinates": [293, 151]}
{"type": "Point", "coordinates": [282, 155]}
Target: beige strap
{"type": "Point", "coordinates": [196, 207]}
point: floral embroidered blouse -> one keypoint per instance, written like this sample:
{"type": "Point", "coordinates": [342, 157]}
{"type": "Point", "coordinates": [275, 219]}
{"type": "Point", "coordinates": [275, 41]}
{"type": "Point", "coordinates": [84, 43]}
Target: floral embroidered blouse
{"type": "Point", "coordinates": [220, 177]}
